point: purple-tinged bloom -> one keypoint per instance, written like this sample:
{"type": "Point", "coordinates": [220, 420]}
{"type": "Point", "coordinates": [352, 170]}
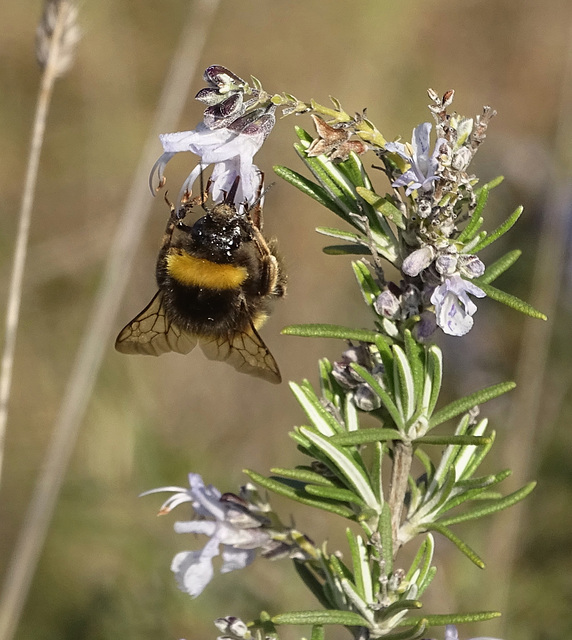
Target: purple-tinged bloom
{"type": "Point", "coordinates": [232, 628]}
{"type": "Point", "coordinates": [452, 634]}
{"type": "Point", "coordinates": [470, 266]}
{"type": "Point", "coordinates": [424, 169]}
{"type": "Point", "coordinates": [418, 260]}
{"type": "Point", "coordinates": [225, 521]}
{"type": "Point", "coordinates": [453, 307]}
{"type": "Point", "coordinates": [426, 326]}
{"type": "Point", "coordinates": [230, 150]}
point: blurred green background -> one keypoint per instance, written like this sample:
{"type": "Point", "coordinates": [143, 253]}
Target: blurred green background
{"type": "Point", "coordinates": [104, 571]}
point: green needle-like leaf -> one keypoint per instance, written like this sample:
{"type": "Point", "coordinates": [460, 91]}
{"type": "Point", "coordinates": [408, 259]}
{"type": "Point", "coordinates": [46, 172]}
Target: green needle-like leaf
{"type": "Point", "coordinates": [386, 534]}
{"type": "Point", "coordinates": [379, 451]}
{"type": "Point", "coordinates": [476, 219]}
{"type": "Point", "coordinates": [427, 581]}
{"type": "Point", "coordinates": [462, 546]}
{"type": "Point", "coordinates": [509, 300]}
{"type": "Point", "coordinates": [366, 436]}
{"type": "Point", "coordinates": [361, 571]}
{"type": "Point", "coordinates": [334, 494]}
{"type": "Point", "coordinates": [403, 383]}
{"type": "Point", "coordinates": [497, 268]}
{"type": "Point", "coordinates": [421, 556]}
{"type": "Point", "coordinates": [386, 208]}
{"type": "Point", "coordinates": [416, 360]}
{"type": "Point", "coordinates": [492, 183]}
{"type": "Point", "coordinates": [419, 625]}
{"type": "Point", "coordinates": [468, 402]}
{"type": "Point", "coordinates": [318, 632]}
{"type": "Point", "coordinates": [475, 462]}
{"type": "Point", "coordinates": [346, 618]}
{"type": "Point", "coordinates": [346, 464]}
{"type": "Point", "coordinates": [382, 393]}
{"type": "Point", "coordinates": [335, 183]}
{"type": "Point", "coordinates": [329, 331]}
{"type": "Point", "coordinates": [313, 584]}
{"type": "Point", "coordinates": [435, 375]}
{"type": "Point", "coordinates": [332, 232]}
{"type": "Point", "coordinates": [354, 170]}
{"type": "Point", "coordinates": [455, 440]}
{"type": "Point", "coordinates": [369, 287]}
{"type": "Point", "coordinates": [315, 191]}
{"type": "Point", "coordinates": [321, 419]}
{"type": "Point", "coordinates": [439, 620]}
{"type": "Point", "coordinates": [302, 475]}
{"type": "Point", "coordinates": [400, 605]}
{"type": "Point", "coordinates": [500, 230]}
{"type": "Point", "coordinates": [497, 505]}
{"type": "Point", "coordinates": [303, 135]}
{"type": "Point", "coordinates": [346, 250]}
{"type": "Point", "coordinates": [289, 492]}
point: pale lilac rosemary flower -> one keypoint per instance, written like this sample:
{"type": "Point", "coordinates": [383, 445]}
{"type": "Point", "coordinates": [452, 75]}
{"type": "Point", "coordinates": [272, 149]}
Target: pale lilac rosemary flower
{"type": "Point", "coordinates": [231, 150]}
{"type": "Point", "coordinates": [424, 169]}
{"type": "Point", "coordinates": [226, 520]}
{"type": "Point", "coordinates": [453, 307]}
{"type": "Point", "coordinates": [232, 628]}
{"type": "Point", "coordinates": [452, 634]}
{"type": "Point", "coordinates": [236, 121]}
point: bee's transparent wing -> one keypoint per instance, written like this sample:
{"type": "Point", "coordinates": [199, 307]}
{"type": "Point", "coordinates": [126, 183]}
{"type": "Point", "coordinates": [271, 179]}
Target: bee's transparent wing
{"type": "Point", "coordinates": [151, 333]}
{"type": "Point", "coordinates": [246, 352]}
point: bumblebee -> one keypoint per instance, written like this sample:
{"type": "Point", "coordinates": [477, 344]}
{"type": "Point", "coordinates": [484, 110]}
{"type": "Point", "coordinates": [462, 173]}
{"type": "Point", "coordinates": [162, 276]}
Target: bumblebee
{"type": "Point", "coordinates": [217, 281]}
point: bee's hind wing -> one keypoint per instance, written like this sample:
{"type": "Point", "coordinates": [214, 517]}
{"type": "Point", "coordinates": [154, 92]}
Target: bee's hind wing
{"type": "Point", "coordinates": [246, 352]}
{"type": "Point", "coordinates": [151, 333]}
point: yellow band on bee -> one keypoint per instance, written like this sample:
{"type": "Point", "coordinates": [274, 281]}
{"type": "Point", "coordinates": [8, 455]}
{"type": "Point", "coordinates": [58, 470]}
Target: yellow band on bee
{"type": "Point", "coordinates": [198, 272]}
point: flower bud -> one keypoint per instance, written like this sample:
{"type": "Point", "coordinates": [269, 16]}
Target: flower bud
{"type": "Point", "coordinates": [446, 264]}
{"type": "Point", "coordinates": [366, 399]}
{"type": "Point", "coordinates": [420, 259]}
{"type": "Point", "coordinates": [470, 266]}
{"type": "Point", "coordinates": [386, 304]}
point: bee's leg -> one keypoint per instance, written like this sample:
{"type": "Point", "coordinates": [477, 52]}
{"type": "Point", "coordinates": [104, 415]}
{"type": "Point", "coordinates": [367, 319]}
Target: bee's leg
{"type": "Point", "coordinates": [270, 282]}
{"type": "Point", "coordinates": [256, 212]}
{"type": "Point", "coordinates": [171, 224]}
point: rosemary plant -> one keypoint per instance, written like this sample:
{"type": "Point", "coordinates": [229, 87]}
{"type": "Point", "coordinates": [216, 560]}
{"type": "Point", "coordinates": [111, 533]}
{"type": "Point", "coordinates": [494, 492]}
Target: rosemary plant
{"type": "Point", "coordinates": [381, 479]}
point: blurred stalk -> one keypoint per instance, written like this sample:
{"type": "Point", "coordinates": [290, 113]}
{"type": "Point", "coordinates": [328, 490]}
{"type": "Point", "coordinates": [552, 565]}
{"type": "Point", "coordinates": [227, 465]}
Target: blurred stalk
{"type": "Point", "coordinates": [522, 453]}
{"type": "Point", "coordinates": [56, 38]}
{"type": "Point", "coordinates": [99, 329]}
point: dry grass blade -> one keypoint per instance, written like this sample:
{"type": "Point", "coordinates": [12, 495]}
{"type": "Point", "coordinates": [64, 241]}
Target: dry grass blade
{"type": "Point", "coordinates": [98, 331]}
{"type": "Point", "coordinates": [57, 34]}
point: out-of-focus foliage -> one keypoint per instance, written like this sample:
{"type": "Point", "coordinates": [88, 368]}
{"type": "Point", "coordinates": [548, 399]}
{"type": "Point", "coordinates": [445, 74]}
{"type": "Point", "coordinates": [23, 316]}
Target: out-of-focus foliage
{"type": "Point", "coordinates": [104, 570]}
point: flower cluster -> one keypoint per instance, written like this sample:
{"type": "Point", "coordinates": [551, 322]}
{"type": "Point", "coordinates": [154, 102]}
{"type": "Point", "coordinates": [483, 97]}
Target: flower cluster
{"type": "Point", "coordinates": [240, 524]}
{"type": "Point", "coordinates": [440, 195]}
{"type": "Point", "coordinates": [438, 186]}
{"type": "Point", "coordinates": [428, 228]}
{"type": "Point", "coordinates": [235, 123]}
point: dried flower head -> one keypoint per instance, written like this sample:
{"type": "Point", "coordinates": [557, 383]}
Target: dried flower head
{"type": "Point", "coordinates": [57, 32]}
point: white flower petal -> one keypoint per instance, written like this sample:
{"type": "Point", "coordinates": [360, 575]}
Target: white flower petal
{"type": "Point", "coordinates": [205, 527]}
{"type": "Point", "coordinates": [236, 558]}
{"type": "Point", "coordinates": [420, 141]}
{"type": "Point", "coordinates": [451, 632]}
{"type": "Point", "coordinates": [206, 500]}
{"type": "Point", "coordinates": [453, 307]}
{"type": "Point", "coordinates": [193, 571]}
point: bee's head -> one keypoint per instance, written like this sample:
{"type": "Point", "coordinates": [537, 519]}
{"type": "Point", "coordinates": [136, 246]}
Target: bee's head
{"type": "Point", "coordinates": [218, 233]}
